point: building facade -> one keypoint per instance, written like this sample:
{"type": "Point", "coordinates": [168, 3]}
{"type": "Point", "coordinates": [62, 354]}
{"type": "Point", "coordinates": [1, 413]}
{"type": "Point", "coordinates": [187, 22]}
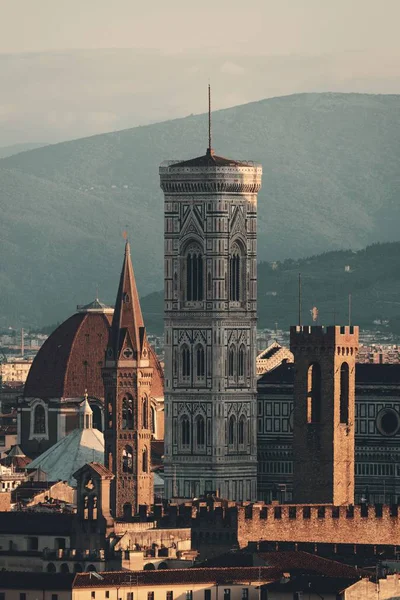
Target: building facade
{"type": "Point", "coordinates": [377, 433]}
{"type": "Point", "coordinates": [210, 326]}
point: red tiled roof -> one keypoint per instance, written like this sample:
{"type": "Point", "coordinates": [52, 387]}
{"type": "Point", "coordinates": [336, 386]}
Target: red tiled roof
{"type": "Point", "coordinates": [71, 359]}
{"type": "Point", "coordinates": [311, 563]}
{"type": "Point", "coordinates": [177, 576]}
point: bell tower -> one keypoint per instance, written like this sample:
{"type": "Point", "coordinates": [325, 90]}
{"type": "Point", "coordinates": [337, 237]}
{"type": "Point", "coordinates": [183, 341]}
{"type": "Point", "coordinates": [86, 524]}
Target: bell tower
{"type": "Point", "coordinates": [324, 413]}
{"type": "Point", "coordinates": [127, 377]}
{"type": "Point", "coordinates": [210, 326]}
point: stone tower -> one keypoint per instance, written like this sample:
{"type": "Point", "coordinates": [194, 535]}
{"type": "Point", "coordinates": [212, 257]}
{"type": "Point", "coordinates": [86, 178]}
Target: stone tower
{"type": "Point", "coordinates": [324, 415]}
{"type": "Point", "coordinates": [210, 326]}
{"type": "Point", "coordinates": [127, 377]}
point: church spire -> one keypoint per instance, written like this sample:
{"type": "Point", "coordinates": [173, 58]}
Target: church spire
{"type": "Point", "coordinates": [127, 338]}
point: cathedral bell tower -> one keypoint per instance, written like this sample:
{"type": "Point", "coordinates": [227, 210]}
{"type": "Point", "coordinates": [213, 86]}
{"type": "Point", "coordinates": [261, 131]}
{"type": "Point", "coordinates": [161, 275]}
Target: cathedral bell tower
{"type": "Point", "coordinates": [127, 377]}
{"type": "Point", "coordinates": [210, 326]}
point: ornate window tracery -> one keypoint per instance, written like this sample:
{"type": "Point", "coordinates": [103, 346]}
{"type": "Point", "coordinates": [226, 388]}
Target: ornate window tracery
{"type": "Point", "coordinates": [185, 431]}
{"type": "Point", "coordinates": [185, 361]}
{"type": "Point", "coordinates": [242, 431]}
{"type": "Point", "coordinates": [231, 361]}
{"type": "Point", "coordinates": [235, 284]}
{"type": "Point", "coordinates": [200, 361]}
{"type": "Point", "coordinates": [200, 432]}
{"type": "Point", "coordinates": [194, 274]}
{"type": "Point", "coordinates": [232, 430]}
{"type": "Point", "coordinates": [241, 361]}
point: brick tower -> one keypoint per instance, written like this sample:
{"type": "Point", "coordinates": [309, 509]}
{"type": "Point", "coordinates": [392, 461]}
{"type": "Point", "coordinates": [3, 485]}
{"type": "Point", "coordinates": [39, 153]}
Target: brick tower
{"type": "Point", "coordinates": [210, 326]}
{"type": "Point", "coordinates": [324, 401]}
{"type": "Point", "coordinates": [127, 377]}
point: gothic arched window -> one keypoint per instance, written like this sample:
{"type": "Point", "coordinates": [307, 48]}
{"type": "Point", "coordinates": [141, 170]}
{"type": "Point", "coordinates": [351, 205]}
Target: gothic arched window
{"type": "Point", "coordinates": [241, 361]}
{"type": "Point", "coordinates": [200, 361]}
{"type": "Point", "coordinates": [314, 394]}
{"type": "Point", "coordinates": [127, 459]}
{"type": "Point", "coordinates": [235, 274]}
{"type": "Point", "coordinates": [127, 412]}
{"type": "Point", "coordinates": [344, 393]}
{"type": "Point", "coordinates": [39, 419]}
{"type": "Point", "coordinates": [185, 431]}
{"type": "Point", "coordinates": [194, 274]}
{"type": "Point", "coordinates": [231, 430]}
{"type": "Point", "coordinates": [145, 412]}
{"type": "Point", "coordinates": [231, 361]}
{"type": "Point", "coordinates": [145, 460]}
{"type": "Point", "coordinates": [200, 431]}
{"type": "Point", "coordinates": [242, 430]}
{"type": "Point", "coordinates": [185, 361]}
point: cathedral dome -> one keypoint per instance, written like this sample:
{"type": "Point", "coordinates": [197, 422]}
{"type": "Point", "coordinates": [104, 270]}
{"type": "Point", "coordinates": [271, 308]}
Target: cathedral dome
{"type": "Point", "coordinates": [71, 358]}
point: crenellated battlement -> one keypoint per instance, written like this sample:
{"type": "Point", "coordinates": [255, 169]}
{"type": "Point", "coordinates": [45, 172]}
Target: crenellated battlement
{"type": "Point", "coordinates": [318, 335]}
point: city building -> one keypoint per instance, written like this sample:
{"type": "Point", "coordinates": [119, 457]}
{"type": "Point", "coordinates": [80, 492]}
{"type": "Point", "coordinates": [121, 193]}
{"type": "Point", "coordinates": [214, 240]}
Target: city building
{"type": "Point", "coordinates": [377, 433]}
{"type": "Point", "coordinates": [15, 370]}
{"type": "Point", "coordinates": [210, 326]}
{"type": "Point", "coordinates": [69, 363]}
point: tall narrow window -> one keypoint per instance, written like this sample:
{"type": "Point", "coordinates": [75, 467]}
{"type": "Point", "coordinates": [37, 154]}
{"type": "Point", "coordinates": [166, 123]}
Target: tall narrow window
{"type": "Point", "coordinates": [242, 430]}
{"type": "Point", "coordinates": [314, 394]}
{"type": "Point", "coordinates": [185, 431]}
{"type": "Point", "coordinates": [194, 274]}
{"type": "Point", "coordinates": [200, 362]}
{"type": "Point", "coordinates": [234, 274]}
{"type": "Point", "coordinates": [145, 412]}
{"type": "Point", "coordinates": [185, 361]}
{"type": "Point", "coordinates": [153, 419]}
{"type": "Point", "coordinates": [39, 422]}
{"type": "Point", "coordinates": [241, 361]}
{"type": "Point", "coordinates": [231, 430]}
{"type": "Point", "coordinates": [127, 412]}
{"type": "Point", "coordinates": [145, 461]}
{"type": "Point", "coordinates": [344, 393]}
{"type": "Point", "coordinates": [200, 431]}
{"type": "Point", "coordinates": [231, 361]}
{"type": "Point", "coordinates": [127, 460]}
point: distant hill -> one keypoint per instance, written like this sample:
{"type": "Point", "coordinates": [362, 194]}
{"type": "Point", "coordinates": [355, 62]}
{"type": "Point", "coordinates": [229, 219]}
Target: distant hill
{"type": "Point", "coordinates": [17, 148]}
{"type": "Point", "coordinates": [331, 180]}
{"type": "Point", "coordinates": [371, 276]}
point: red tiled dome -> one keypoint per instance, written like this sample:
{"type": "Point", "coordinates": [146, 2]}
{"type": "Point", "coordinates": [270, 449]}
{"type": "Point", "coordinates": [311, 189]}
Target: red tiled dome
{"type": "Point", "coordinates": [71, 360]}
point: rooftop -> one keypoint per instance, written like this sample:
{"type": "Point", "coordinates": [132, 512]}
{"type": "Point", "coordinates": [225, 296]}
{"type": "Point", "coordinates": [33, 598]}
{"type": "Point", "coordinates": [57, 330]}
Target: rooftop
{"type": "Point", "coordinates": [210, 159]}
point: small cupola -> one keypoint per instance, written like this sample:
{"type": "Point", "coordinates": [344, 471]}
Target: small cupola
{"type": "Point", "coordinates": [85, 414]}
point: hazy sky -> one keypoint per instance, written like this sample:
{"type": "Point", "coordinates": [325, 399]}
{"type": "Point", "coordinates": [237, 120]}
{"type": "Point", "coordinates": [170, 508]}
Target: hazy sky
{"type": "Point", "coordinates": [256, 26]}
{"type": "Point", "coordinates": [79, 67]}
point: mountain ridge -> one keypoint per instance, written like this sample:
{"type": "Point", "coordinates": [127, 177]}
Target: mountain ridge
{"type": "Point", "coordinates": [331, 180]}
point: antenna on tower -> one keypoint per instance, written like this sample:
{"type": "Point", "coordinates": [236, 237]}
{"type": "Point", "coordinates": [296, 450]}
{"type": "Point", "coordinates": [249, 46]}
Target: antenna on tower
{"type": "Point", "coordinates": [299, 299]}
{"type": "Point", "coordinates": [209, 120]}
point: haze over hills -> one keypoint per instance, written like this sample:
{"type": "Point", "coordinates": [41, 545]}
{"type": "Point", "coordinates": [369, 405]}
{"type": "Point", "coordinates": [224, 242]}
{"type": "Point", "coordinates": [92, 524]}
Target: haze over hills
{"type": "Point", "coordinates": [17, 148]}
{"type": "Point", "coordinates": [331, 181]}
{"type": "Point", "coordinates": [371, 276]}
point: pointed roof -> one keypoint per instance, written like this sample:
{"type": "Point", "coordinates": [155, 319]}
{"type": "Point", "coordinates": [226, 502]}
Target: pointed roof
{"type": "Point", "coordinates": [127, 327]}
{"type": "Point", "coordinates": [95, 306]}
{"type": "Point", "coordinates": [69, 454]}
{"type": "Point", "coordinates": [209, 159]}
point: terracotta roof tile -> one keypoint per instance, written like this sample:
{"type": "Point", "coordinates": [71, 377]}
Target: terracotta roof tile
{"type": "Point", "coordinates": [177, 576]}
